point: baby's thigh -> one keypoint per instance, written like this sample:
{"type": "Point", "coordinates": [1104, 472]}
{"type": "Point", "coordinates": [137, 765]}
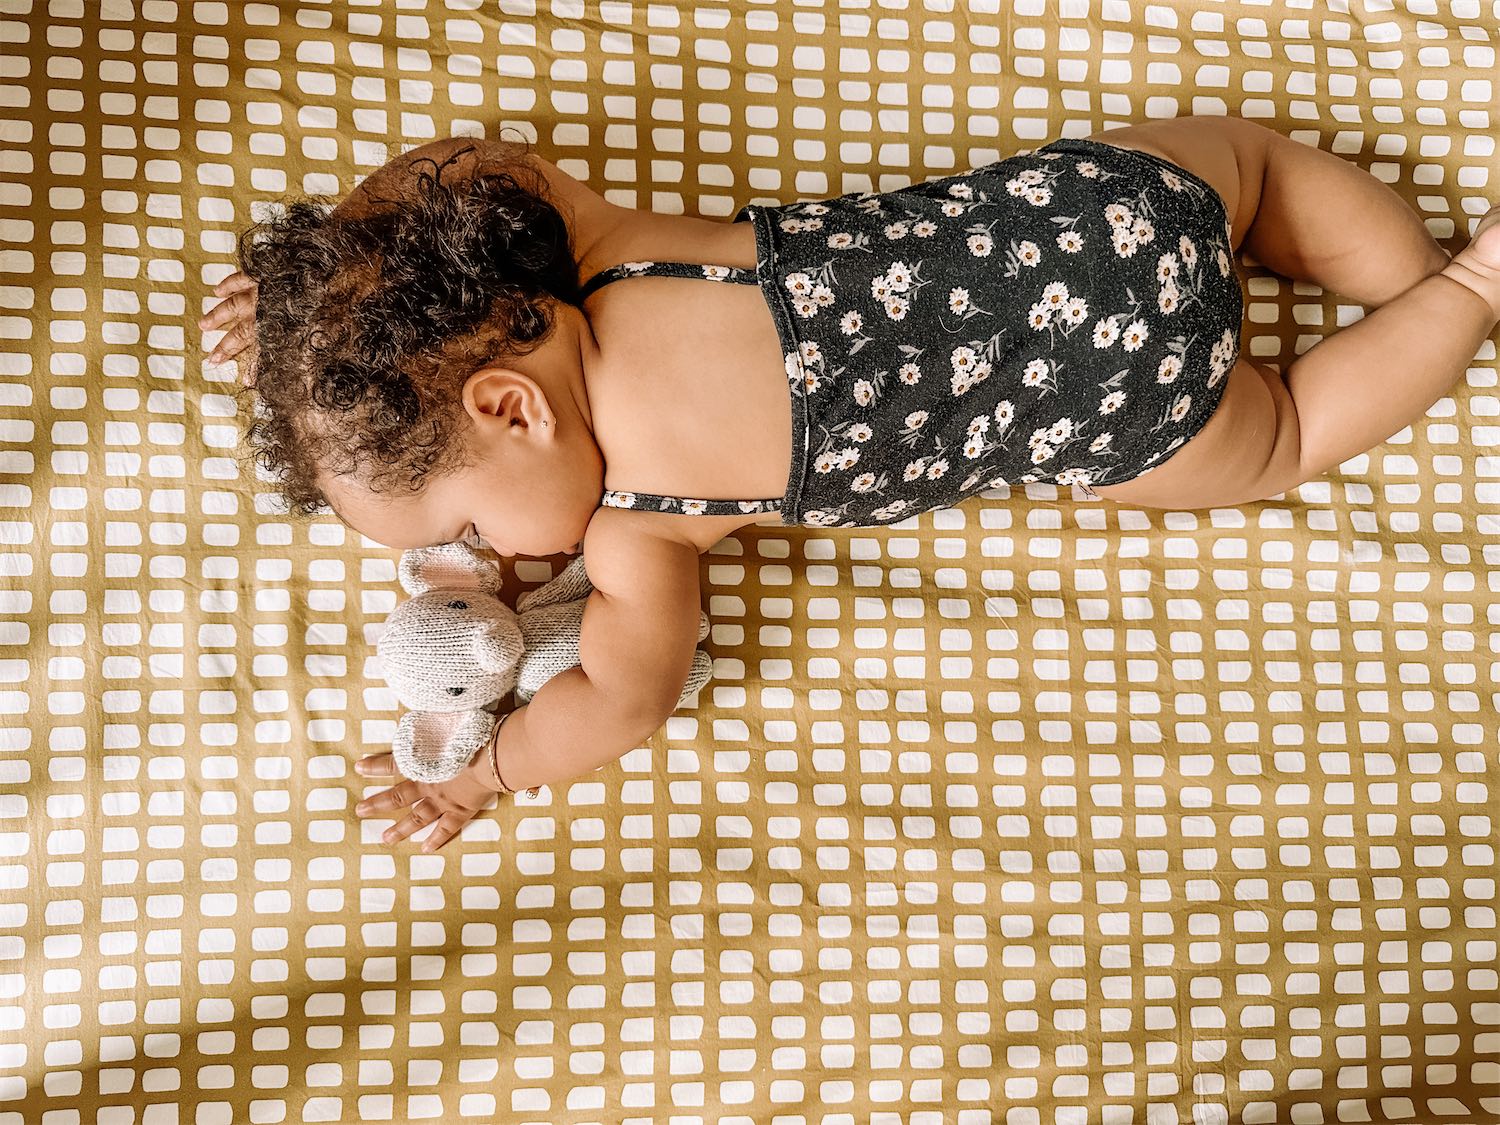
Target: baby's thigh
{"type": "Point", "coordinates": [1249, 449]}
{"type": "Point", "coordinates": [1229, 153]}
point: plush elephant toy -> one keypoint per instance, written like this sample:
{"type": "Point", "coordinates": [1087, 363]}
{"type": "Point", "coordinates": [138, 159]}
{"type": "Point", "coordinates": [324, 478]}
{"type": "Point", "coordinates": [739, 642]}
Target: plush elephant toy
{"type": "Point", "coordinates": [453, 650]}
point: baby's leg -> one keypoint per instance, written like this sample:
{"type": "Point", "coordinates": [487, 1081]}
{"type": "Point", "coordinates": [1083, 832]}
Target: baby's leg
{"type": "Point", "coordinates": [1321, 218]}
{"type": "Point", "coordinates": [1365, 382]}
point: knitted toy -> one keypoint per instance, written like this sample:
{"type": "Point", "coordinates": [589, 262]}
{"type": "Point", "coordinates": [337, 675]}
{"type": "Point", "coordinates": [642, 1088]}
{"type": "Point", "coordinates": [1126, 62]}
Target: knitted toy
{"type": "Point", "coordinates": [453, 650]}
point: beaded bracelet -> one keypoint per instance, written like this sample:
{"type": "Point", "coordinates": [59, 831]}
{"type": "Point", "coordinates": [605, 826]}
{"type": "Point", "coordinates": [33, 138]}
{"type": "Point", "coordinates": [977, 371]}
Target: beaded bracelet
{"type": "Point", "coordinates": [494, 764]}
{"type": "Point", "coordinates": [494, 748]}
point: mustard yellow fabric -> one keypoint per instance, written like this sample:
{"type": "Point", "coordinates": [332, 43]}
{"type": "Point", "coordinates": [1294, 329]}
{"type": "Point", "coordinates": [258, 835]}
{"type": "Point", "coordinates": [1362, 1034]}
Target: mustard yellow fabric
{"type": "Point", "coordinates": [1037, 811]}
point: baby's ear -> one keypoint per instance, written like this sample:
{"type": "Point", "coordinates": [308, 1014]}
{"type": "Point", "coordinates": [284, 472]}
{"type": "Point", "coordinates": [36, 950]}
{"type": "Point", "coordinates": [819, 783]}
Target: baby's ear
{"type": "Point", "coordinates": [448, 566]}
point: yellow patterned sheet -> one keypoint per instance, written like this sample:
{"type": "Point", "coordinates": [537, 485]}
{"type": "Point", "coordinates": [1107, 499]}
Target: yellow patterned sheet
{"type": "Point", "coordinates": [1037, 811]}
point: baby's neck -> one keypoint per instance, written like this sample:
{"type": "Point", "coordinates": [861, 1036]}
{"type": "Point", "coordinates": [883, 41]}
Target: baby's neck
{"type": "Point", "coordinates": [563, 365]}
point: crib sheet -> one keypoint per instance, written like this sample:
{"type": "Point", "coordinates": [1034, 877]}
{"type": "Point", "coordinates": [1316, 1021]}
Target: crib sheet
{"type": "Point", "coordinates": [1036, 810]}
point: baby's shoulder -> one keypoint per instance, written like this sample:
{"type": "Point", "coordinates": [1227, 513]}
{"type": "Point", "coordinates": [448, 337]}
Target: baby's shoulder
{"type": "Point", "coordinates": [699, 532]}
{"type": "Point", "coordinates": [629, 554]}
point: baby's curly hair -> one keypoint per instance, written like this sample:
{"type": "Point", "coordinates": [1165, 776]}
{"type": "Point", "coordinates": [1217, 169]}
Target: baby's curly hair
{"type": "Point", "coordinates": [367, 327]}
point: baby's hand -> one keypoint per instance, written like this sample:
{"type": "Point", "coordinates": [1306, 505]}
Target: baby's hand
{"type": "Point", "coordinates": [237, 310]}
{"type": "Point", "coordinates": [451, 804]}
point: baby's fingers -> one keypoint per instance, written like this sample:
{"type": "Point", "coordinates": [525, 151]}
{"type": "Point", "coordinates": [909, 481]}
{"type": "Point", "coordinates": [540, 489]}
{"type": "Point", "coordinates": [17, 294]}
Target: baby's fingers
{"type": "Point", "coordinates": [443, 830]}
{"type": "Point", "coordinates": [239, 341]}
{"type": "Point", "coordinates": [236, 340]}
{"type": "Point", "coordinates": [376, 765]}
{"type": "Point", "coordinates": [234, 283]}
{"type": "Point", "coordinates": [231, 308]}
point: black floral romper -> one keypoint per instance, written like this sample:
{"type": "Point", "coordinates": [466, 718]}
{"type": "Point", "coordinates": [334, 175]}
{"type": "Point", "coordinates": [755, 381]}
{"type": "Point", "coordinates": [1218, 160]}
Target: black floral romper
{"type": "Point", "coordinates": [1068, 315]}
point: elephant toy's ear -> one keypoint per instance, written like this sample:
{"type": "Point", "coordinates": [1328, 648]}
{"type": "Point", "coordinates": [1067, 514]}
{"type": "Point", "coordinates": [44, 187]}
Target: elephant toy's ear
{"type": "Point", "coordinates": [435, 746]}
{"type": "Point", "coordinates": [448, 566]}
{"type": "Point", "coordinates": [699, 673]}
{"type": "Point", "coordinates": [570, 584]}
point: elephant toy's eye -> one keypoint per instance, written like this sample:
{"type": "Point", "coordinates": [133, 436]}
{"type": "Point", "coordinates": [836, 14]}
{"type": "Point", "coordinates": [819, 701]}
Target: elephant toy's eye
{"type": "Point", "coordinates": [458, 605]}
{"type": "Point", "coordinates": [455, 691]}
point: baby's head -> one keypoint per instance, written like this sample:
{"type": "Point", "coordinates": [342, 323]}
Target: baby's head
{"type": "Point", "coordinates": [419, 358]}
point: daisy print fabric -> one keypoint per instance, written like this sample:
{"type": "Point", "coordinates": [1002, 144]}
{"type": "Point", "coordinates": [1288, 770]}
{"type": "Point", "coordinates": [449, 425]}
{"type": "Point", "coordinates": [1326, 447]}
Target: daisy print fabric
{"type": "Point", "coordinates": [1068, 315]}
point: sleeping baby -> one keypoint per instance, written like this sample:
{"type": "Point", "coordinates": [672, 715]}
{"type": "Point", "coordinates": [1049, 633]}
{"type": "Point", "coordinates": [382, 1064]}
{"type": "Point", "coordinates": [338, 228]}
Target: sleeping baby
{"type": "Point", "coordinates": [429, 367]}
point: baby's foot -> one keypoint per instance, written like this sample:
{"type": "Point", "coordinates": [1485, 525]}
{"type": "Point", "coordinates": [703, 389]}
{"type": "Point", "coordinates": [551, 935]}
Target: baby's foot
{"type": "Point", "coordinates": [1477, 265]}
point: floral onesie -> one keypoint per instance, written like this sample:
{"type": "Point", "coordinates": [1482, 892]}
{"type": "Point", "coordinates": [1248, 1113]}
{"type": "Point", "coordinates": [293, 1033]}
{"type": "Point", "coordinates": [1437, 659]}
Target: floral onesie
{"type": "Point", "coordinates": [1068, 315]}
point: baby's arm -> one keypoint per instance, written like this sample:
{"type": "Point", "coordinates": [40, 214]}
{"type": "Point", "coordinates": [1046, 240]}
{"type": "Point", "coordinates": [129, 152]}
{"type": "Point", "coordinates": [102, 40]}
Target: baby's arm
{"type": "Point", "coordinates": [640, 628]}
